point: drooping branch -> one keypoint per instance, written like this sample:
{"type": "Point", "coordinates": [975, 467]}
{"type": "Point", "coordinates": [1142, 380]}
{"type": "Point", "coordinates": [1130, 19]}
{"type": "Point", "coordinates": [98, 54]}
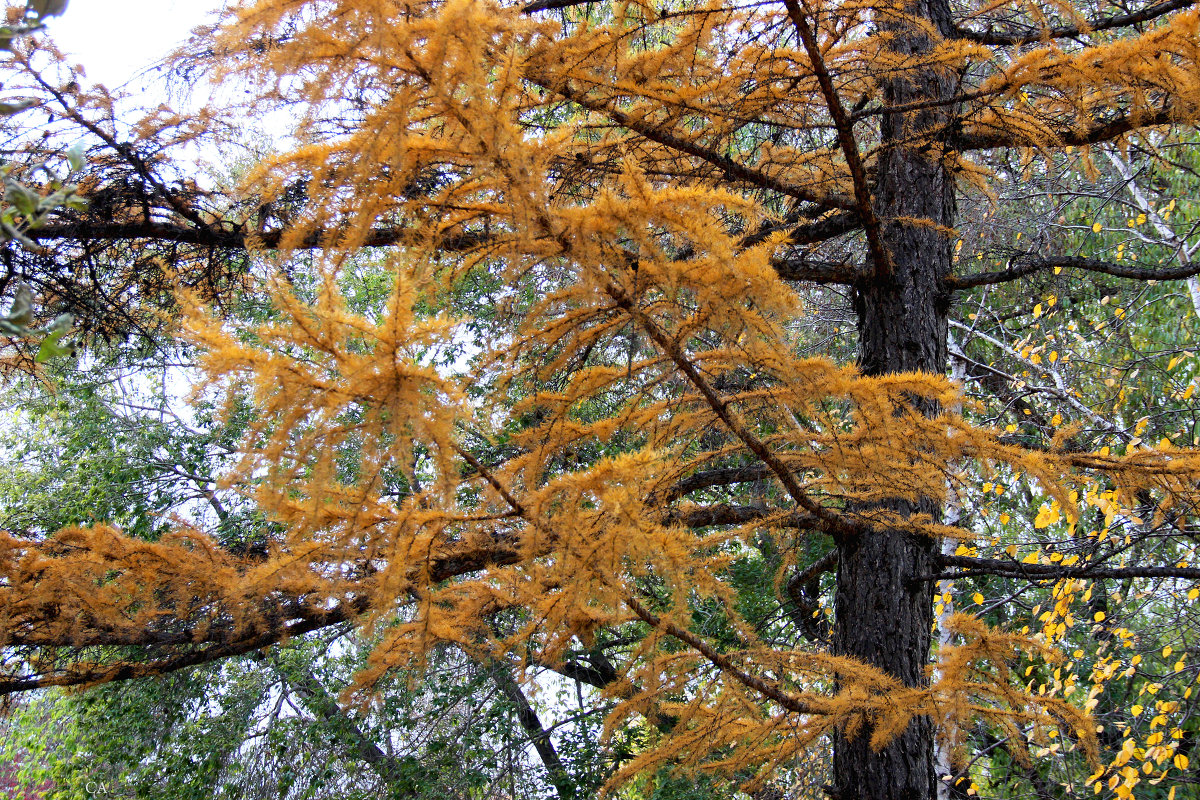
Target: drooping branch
{"type": "Point", "coordinates": [1029, 263]}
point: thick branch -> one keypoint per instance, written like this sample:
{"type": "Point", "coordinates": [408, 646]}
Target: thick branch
{"type": "Point", "coordinates": [820, 231]}
{"type": "Point", "coordinates": [1102, 132]}
{"type": "Point", "coordinates": [722, 476]}
{"type": "Point", "coordinates": [967, 567]}
{"type": "Point", "coordinates": [802, 589]}
{"type": "Point", "coordinates": [225, 237]}
{"type": "Point", "coordinates": [826, 563]}
{"type": "Point", "coordinates": [204, 655]}
{"type": "Point", "coordinates": [1028, 264]}
{"type": "Point", "coordinates": [551, 5]}
{"type": "Point", "coordinates": [1147, 14]}
{"type": "Point", "coordinates": [725, 514]}
{"type": "Point", "coordinates": [294, 617]}
{"type": "Point", "coordinates": [810, 272]}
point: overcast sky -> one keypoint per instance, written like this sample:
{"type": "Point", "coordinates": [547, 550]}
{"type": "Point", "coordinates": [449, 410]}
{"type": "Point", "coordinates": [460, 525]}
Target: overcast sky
{"type": "Point", "coordinates": [115, 39]}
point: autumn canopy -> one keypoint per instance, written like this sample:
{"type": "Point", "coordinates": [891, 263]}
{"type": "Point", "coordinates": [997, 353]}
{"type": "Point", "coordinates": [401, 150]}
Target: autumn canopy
{"type": "Point", "coordinates": [606, 368]}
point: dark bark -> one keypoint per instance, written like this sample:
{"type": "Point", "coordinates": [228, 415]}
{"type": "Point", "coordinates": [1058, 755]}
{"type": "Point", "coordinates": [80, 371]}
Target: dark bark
{"type": "Point", "coordinates": [883, 617]}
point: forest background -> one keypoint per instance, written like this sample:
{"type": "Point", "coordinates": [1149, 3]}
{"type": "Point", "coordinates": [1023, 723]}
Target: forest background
{"type": "Point", "coordinates": [522, 463]}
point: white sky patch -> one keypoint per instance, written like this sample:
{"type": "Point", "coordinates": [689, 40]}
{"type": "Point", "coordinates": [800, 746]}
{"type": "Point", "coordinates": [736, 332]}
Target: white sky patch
{"type": "Point", "coordinates": [114, 40]}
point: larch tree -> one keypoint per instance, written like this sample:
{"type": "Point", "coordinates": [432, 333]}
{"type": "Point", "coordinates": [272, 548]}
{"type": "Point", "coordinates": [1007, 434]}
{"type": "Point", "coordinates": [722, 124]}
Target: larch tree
{"type": "Point", "coordinates": [644, 195]}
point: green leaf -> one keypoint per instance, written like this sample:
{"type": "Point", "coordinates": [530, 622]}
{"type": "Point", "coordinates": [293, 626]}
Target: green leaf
{"type": "Point", "coordinates": [21, 312]}
{"type": "Point", "coordinates": [75, 156]}
{"type": "Point", "coordinates": [26, 201]}
{"type": "Point", "coordinates": [52, 349]}
{"type": "Point", "coordinates": [46, 8]}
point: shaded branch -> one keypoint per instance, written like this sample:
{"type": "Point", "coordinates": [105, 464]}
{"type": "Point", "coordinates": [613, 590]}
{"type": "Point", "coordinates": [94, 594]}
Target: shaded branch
{"type": "Point", "coordinates": [339, 724]}
{"type": "Point", "coordinates": [551, 5]}
{"type": "Point", "coordinates": [826, 563]}
{"type": "Point", "coordinates": [802, 589]}
{"type": "Point", "coordinates": [722, 476]}
{"type": "Point", "coordinates": [725, 514]}
{"type": "Point", "coordinates": [821, 230]}
{"type": "Point", "coordinates": [224, 237]}
{"type": "Point", "coordinates": [815, 272]}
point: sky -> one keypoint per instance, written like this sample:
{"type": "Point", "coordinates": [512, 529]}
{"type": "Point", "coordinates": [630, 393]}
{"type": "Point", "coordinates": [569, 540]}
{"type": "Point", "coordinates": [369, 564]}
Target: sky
{"type": "Point", "coordinates": [116, 39]}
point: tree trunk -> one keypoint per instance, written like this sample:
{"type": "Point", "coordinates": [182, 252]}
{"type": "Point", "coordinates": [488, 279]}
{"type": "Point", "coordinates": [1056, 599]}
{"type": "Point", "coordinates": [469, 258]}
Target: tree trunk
{"type": "Point", "coordinates": [882, 618]}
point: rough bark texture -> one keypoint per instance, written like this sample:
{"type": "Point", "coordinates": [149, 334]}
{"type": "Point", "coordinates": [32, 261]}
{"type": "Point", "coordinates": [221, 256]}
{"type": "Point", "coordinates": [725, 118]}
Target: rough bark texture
{"type": "Point", "coordinates": [882, 617]}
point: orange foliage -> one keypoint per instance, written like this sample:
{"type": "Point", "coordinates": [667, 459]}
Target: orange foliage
{"type": "Point", "coordinates": [593, 163]}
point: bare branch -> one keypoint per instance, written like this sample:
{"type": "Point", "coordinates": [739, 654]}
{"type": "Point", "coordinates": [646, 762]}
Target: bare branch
{"type": "Point", "coordinates": [1028, 264]}
{"type": "Point", "coordinates": [967, 566]}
